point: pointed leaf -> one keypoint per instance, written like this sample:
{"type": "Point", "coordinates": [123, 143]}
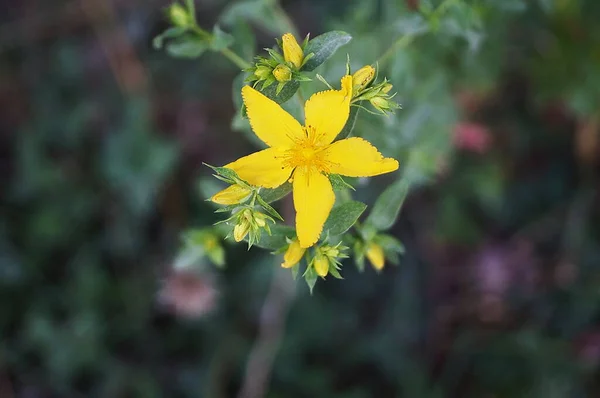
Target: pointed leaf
{"type": "Point", "coordinates": [323, 47]}
{"type": "Point", "coordinates": [387, 206]}
{"type": "Point", "coordinates": [343, 217]}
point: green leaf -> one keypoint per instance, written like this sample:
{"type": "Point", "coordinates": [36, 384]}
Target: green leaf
{"type": "Point", "coordinates": [268, 208]}
{"type": "Point", "coordinates": [170, 33]}
{"type": "Point", "coordinates": [338, 183]}
{"type": "Point", "coordinates": [229, 174]}
{"type": "Point", "coordinates": [273, 195]}
{"type": "Point", "coordinates": [387, 206]}
{"type": "Point", "coordinates": [220, 40]}
{"type": "Point", "coordinates": [343, 217]}
{"type": "Point", "coordinates": [186, 47]}
{"type": "Point", "coordinates": [310, 276]}
{"type": "Point", "coordinates": [277, 239]}
{"type": "Point", "coordinates": [323, 47]}
{"type": "Point", "coordinates": [285, 94]}
{"type": "Point", "coordinates": [349, 126]}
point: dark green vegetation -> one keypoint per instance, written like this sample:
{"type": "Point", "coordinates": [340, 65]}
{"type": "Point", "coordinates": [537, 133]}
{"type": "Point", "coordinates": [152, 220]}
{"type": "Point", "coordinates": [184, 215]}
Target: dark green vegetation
{"type": "Point", "coordinates": [101, 144]}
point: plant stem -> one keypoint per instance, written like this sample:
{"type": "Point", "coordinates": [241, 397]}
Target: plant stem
{"type": "Point", "coordinates": [227, 53]}
{"type": "Point", "coordinates": [400, 43]}
{"type": "Point", "coordinates": [236, 59]}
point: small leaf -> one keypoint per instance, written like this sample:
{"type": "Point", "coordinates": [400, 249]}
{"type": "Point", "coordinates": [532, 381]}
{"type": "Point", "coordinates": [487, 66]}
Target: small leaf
{"type": "Point", "coordinates": [186, 47]}
{"type": "Point", "coordinates": [310, 276]}
{"type": "Point", "coordinates": [273, 195]}
{"type": "Point", "coordinates": [277, 239]}
{"type": "Point", "coordinates": [170, 33]}
{"type": "Point", "coordinates": [323, 47]}
{"type": "Point", "coordinates": [285, 94]}
{"type": "Point", "coordinates": [387, 206]}
{"type": "Point", "coordinates": [343, 217]}
{"type": "Point", "coordinates": [349, 126]}
{"type": "Point", "coordinates": [229, 174]}
{"type": "Point", "coordinates": [295, 270]}
{"type": "Point", "coordinates": [220, 40]}
{"type": "Point", "coordinates": [338, 183]}
{"type": "Point", "coordinates": [268, 208]}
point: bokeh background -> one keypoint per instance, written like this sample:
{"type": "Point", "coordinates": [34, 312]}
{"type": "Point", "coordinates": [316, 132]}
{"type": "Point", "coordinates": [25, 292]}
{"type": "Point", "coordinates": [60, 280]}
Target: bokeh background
{"type": "Point", "coordinates": [102, 140]}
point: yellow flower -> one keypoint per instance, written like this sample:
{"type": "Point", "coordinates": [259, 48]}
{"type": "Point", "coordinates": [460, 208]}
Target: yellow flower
{"type": "Point", "coordinates": [293, 254]}
{"type": "Point", "coordinates": [241, 230]}
{"type": "Point", "coordinates": [292, 52]}
{"type": "Point", "coordinates": [231, 195]}
{"type": "Point", "coordinates": [376, 256]}
{"type": "Point", "coordinates": [307, 154]}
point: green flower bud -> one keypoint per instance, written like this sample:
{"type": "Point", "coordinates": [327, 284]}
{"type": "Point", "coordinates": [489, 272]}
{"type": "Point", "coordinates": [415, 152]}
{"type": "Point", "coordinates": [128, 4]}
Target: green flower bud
{"type": "Point", "coordinates": [179, 15]}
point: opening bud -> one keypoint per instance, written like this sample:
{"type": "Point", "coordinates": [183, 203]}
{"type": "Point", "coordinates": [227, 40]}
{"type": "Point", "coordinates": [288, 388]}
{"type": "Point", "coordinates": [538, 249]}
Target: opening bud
{"type": "Point", "coordinates": [292, 52]}
{"type": "Point", "coordinates": [241, 230]}
{"type": "Point", "coordinates": [362, 78]}
{"type": "Point", "coordinates": [231, 195]}
{"type": "Point", "coordinates": [293, 254]}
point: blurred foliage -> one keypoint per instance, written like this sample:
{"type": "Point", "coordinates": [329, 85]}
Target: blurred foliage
{"type": "Point", "coordinates": [101, 144]}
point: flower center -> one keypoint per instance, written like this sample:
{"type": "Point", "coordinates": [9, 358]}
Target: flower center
{"type": "Point", "coordinates": [306, 154]}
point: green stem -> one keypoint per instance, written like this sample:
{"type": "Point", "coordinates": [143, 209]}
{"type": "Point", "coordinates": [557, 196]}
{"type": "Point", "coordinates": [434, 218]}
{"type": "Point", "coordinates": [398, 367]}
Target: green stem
{"type": "Point", "coordinates": [227, 53]}
{"type": "Point", "coordinates": [400, 43]}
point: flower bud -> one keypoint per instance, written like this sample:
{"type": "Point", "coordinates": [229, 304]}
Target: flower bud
{"type": "Point", "coordinates": [293, 254]}
{"type": "Point", "coordinates": [179, 15]}
{"type": "Point", "coordinates": [231, 195]}
{"type": "Point", "coordinates": [321, 264]}
{"type": "Point", "coordinates": [262, 72]}
{"type": "Point", "coordinates": [375, 255]}
{"type": "Point", "coordinates": [386, 88]}
{"type": "Point", "coordinates": [362, 78]}
{"type": "Point", "coordinates": [292, 52]}
{"type": "Point", "coordinates": [282, 73]}
{"type": "Point", "coordinates": [241, 230]}
{"type": "Point", "coordinates": [259, 219]}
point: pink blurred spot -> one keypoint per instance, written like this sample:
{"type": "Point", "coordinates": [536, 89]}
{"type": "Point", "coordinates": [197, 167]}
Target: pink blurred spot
{"type": "Point", "coordinates": [472, 137]}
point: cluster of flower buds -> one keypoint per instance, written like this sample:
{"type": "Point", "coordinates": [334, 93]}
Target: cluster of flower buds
{"type": "Point", "coordinates": [248, 222]}
{"type": "Point", "coordinates": [364, 88]}
{"type": "Point", "coordinates": [240, 198]}
{"type": "Point", "coordinates": [280, 68]}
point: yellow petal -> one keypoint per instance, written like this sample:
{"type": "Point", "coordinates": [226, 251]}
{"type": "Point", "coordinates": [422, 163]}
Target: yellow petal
{"type": "Point", "coordinates": [293, 254]}
{"type": "Point", "coordinates": [292, 52]}
{"type": "Point", "coordinates": [264, 168]}
{"type": "Point", "coordinates": [231, 195]}
{"type": "Point", "coordinates": [273, 125]}
{"type": "Point", "coordinates": [376, 256]}
{"type": "Point", "coordinates": [327, 112]}
{"type": "Point", "coordinates": [355, 157]}
{"type": "Point", "coordinates": [313, 200]}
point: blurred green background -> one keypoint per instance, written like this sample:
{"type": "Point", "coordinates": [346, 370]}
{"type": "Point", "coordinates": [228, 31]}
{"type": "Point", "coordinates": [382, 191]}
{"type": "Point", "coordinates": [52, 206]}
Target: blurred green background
{"type": "Point", "coordinates": [102, 140]}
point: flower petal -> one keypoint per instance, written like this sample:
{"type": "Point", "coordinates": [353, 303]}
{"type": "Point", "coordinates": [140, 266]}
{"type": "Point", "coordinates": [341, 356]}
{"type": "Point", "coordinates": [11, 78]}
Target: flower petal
{"type": "Point", "coordinates": [264, 168]}
{"type": "Point", "coordinates": [313, 200]}
{"type": "Point", "coordinates": [269, 121]}
{"type": "Point", "coordinates": [355, 157]}
{"type": "Point", "coordinates": [327, 112]}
